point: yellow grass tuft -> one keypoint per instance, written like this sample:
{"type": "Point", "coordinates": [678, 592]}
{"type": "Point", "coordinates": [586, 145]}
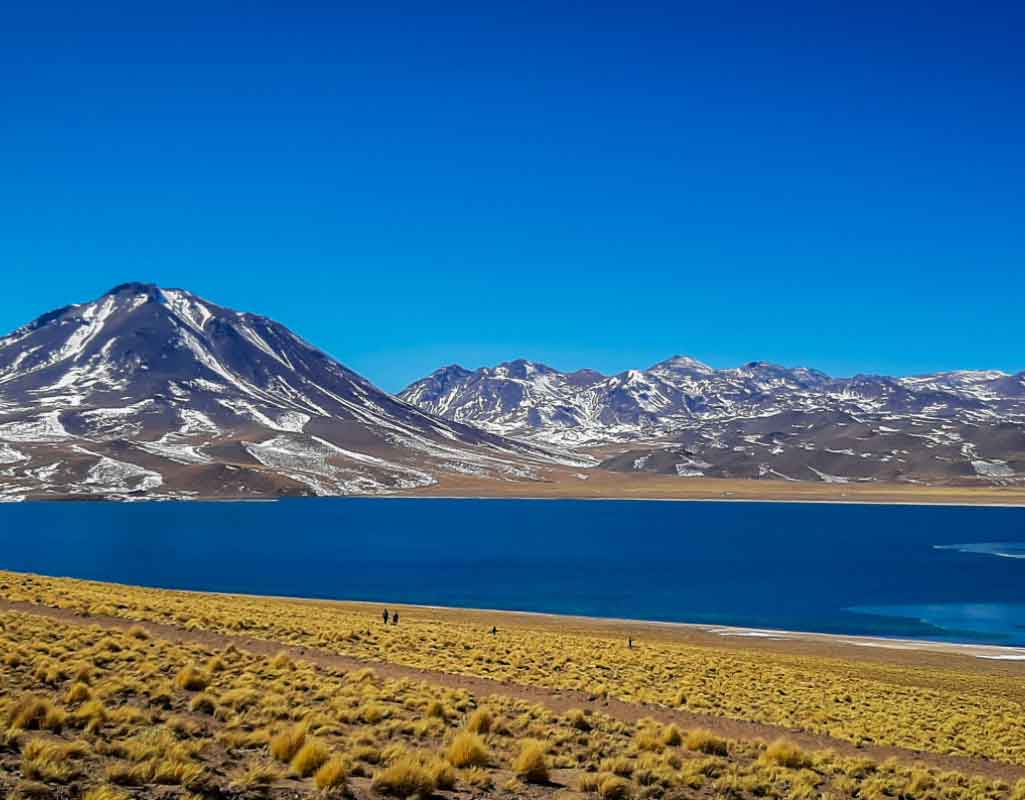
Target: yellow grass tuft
{"type": "Point", "coordinates": [477, 778]}
{"type": "Point", "coordinates": [78, 692]}
{"type": "Point", "coordinates": [281, 661]}
{"type": "Point", "coordinates": [405, 777]}
{"type": "Point", "coordinates": [578, 719]}
{"type": "Point", "coordinates": [192, 679]}
{"type": "Point", "coordinates": [784, 753]}
{"type": "Point", "coordinates": [286, 744]}
{"type": "Point", "coordinates": [52, 760]}
{"type": "Point", "coordinates": [106, 793]}
{"type": "Point", "coordinates": [91, 715]}
{"type": "Point", "coordinates": [671, 736]}
{"type": "Point", "coordinates": [468, 750]}
{"type": "Point", "coordinates": [202, 703]}
{"type": "Point", "coordinates": [530, 765]}
{"type": "Point", "coordinates": [618, 765]}
{"type": "Point", "coordinates": [613, 787]}
{"type": "Point", "coordinates": [442, 773]}
{"type": "Point", "coordinates": [332, 774]}
{"type": "Point", "coordinates": [256, 775]}
{"type": "Point", "coordinates": [480, 721]}
{"type": "Point", "coordinates": [310, 757]}
{"type": "Point", "coordinates": [34, 713]}
{"type": "Point", "coordinates": [707, 742]}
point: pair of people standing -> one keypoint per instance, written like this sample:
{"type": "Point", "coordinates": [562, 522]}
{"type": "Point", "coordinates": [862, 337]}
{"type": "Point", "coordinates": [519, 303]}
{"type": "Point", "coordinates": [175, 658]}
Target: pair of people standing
{"type": "Point", "coordinates": [394, 617]}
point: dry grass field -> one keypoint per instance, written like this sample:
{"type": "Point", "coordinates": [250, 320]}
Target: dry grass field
{"type": "Point", "coordinates": [604, 484]}
{"type": "Point", "coordinates": [113, 692]}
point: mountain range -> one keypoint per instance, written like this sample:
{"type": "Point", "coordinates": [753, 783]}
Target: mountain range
{"type": "Point", "coordinates": [148, 392]}
{"type": "Point", "coordinates": [683, 417]}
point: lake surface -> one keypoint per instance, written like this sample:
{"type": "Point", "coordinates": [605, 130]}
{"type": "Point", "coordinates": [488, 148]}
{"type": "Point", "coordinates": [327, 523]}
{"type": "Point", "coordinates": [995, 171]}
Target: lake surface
{"type": "Point", "coordinates": [954, 574]}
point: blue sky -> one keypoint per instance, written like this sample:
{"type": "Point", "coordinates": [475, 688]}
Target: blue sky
{"type": "Point", "coordinates": [594, 184]}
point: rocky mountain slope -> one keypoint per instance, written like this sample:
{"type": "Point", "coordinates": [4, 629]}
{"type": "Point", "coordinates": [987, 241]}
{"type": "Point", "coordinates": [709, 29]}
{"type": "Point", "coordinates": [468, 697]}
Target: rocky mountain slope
{"type": "Point", "coordinates": [686, 418]}
{"type": "Point", "coordinates": [158, 393]}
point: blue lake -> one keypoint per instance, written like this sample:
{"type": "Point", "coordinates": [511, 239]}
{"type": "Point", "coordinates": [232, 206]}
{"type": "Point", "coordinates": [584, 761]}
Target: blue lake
{"type": "Point", "coordinates": [926, 572]}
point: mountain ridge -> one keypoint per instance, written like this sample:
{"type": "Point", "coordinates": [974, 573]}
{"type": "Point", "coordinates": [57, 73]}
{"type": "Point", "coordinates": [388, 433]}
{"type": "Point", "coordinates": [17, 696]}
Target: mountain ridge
{"type": "Point", "coordinates": [148, 391]}
{"type": "Point", "coordinates": [756, 420]}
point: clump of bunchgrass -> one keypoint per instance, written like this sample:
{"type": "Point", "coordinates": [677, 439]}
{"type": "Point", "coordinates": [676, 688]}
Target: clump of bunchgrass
{"type": "Point", "coordinates": [286, 744]}
{"type": "Point", "coordinates": [332, 774]}
{"type": "Point", "coordinates": [404, 777]}
{"type": "Point", "coordinates": [477, 778]}
{"type": "Point", "coordinates": [78, 692]}
{"type": "Point", "coordinates": [106, 793]}
{"type": "Point", "coordinates": [578, 719]}
{"type": "Point", "coordinates": [192, 679]}
{"type": "Point", "coordinates": [310, 757]}
{"type": "Point", "coordinates": [618, 765]}
{"type": "Point", "coordinates": [671, 736]}
{"type": "Point", "coordinates": [530, 764]}
{"type": "Point", "coordinates": [480, 721]}
{"type": "Point", "coordinates": [613, 787]}
{"type": "Point", "coordinates": [707, 742]}
{"type": "Point", "coordinates": [468, 750]}
{"type": "Point", "coordinates": [30, 712]}
{"type": "Point", "coordinates": [257, 775]}
{"type": "Point", "coordinates": [784, 753]}
{"type": "Point", "coordinates": [203, 703]}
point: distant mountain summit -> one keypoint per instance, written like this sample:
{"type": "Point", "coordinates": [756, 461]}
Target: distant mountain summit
{"type": "Point", "coordinates": [683, 417]}
{"type": "Point", "coordinates": [152, 392]}
{"type": "Point", "coordinates": [157, 391]}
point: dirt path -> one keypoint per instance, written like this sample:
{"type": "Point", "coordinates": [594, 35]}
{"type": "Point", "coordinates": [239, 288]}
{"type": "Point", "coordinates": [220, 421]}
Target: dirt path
{"type": "Point", "coordinates": [558, 700]}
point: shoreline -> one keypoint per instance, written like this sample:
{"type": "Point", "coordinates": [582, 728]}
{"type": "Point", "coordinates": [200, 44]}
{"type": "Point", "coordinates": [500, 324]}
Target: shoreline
{"type": "Point", "coordinates": [958, 502]}
{"type": "Point", "coordinates": [975, 650]}
{"type": "Point", "coordinates": [746, 634]}
{"type": "Point", "coordinates": [714, 632]}
{"type": "Point", "coordinates": [707, 632]}
{"type": "Point", "coordinates": [797, 501]}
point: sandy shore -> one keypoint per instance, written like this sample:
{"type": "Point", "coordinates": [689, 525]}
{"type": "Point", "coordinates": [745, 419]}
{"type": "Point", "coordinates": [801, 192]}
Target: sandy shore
{"type": "Point", "coordinates": [605, 485]}
{"type": "Point", "coordinates": [718, 499]}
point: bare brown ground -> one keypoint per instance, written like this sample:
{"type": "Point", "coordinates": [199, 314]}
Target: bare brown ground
{"type": "Point", "coordinates": [558, 701]}
{"type": "Point", "coordinates": [605, 484]}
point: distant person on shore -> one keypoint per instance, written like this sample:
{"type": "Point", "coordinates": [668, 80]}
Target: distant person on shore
{"type": "Point", "coordinates": [494, 630]}
{"type": "Point", "coordinates": [385, 616]}
{"type": "Point", "coordinates": [395, 618]}
{"type": "Point", "coordinates": [630, 643]}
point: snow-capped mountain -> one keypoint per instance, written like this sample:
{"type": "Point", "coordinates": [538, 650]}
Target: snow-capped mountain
{"type": "Point", "coordinates": [684, 417]}
{"type": "Point", "coordinates": [156, 392]}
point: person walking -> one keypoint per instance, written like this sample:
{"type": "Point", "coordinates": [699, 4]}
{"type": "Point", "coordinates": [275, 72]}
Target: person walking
{"type": "Point", "coordinates": [385, 615]}
{"type": "Point", "coordinates": [494, 630]}
{"type": "Point", "coordinates": [395, 618]}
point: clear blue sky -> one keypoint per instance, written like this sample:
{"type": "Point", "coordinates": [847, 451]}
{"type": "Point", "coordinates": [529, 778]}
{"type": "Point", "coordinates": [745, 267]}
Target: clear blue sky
{"type": "Point", "coordinates": [586, 184]}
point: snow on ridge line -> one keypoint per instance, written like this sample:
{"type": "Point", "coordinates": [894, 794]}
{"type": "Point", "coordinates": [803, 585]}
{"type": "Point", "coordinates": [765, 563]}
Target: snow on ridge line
{"type": "Point", "coordinates": [109, 475]}
{"type": "Point", "coordinates": [187, 308]}
{"type": "Point", "coordinates": [373, 460]}
{"type": "Point", "coordinates": [9, 455]}
{"type": "Point", "coordinates": [257, 341]}
{"type": "Point", "coordinates": [44, 427]}
{"type": "Point", "coordinates": [309, 464]}
{"type": "Point", "coordinates": [288, 421]}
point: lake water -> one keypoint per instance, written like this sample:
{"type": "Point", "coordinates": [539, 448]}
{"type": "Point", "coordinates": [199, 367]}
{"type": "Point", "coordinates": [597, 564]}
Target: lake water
{"type": "Point", "coordinates": [926, 572]}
